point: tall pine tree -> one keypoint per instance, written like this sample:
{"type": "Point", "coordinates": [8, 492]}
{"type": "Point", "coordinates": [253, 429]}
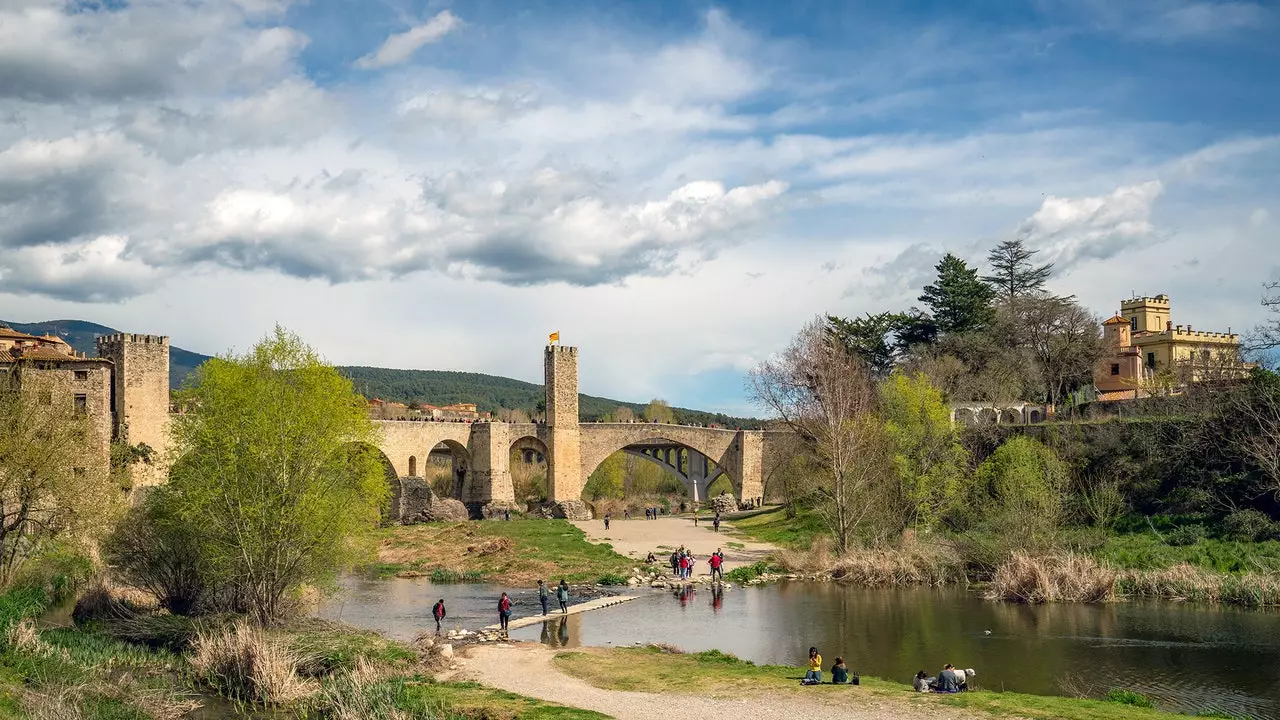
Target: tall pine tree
{"type": "Point", "coordinates": [959, 299]}
{"type": "Point", "coordinates": [1013, 275]}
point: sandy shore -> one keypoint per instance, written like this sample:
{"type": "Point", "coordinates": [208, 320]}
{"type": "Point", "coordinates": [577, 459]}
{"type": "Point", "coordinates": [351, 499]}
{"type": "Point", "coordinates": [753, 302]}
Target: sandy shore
{"type": "Point", "coordinates": [635, 538]}
{"type": "Point", "coordinates": [537, 677]}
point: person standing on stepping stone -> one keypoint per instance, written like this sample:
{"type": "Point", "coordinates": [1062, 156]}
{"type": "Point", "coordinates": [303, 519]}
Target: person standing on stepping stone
{"type": "Point", "coordinates": [544, 595]}
{"type": "Point", "coordinates": [562, 594]}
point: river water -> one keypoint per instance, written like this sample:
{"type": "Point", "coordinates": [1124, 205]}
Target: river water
{"type": "Point", "coordinates": [1189, 658]}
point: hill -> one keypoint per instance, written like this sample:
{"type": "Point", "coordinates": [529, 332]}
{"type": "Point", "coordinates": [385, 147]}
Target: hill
{"type": "Point", "coordinates": [437, 387]}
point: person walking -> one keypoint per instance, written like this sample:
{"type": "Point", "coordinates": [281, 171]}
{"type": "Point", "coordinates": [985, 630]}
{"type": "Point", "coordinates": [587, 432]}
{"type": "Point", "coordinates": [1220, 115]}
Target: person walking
{"type": "Point", "coordinates": [562, 594]}
{"type": "Point", "coordinates": [606, 521]}
{"type": "Point", "coordinates": [675, 563]}
{"type": "Point", "coordinates": [544, 595]}
{"type": "Point", "coordinates": [504, 611]}
{"type": "Point", "coordinates": [437, 611]}
{"type": "Point", "coordinates": [506, 514]}
{"type": "Point", "coordinates": [716, 523]}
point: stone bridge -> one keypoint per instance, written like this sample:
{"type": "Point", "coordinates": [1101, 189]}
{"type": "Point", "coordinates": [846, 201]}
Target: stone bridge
{"type": "Point", "coordinates": [481, 451]}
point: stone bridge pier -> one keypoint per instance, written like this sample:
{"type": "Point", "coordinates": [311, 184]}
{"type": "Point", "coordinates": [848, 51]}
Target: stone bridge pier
{"type": "Point", "coordinates": [481, 451]}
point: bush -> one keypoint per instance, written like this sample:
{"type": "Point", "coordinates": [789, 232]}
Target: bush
{"type": "Point", "coordinates": [611, 579]}
{"type": "Point", "coordinates": [63, 570]}
{"type": "Point", "coordinates": [1247, 526]}
{"type": "Point", "coordinates": [1129, 697]}
{"type": "Point", "coordinates": [154, 550]}
{"type": "Point", "coordinates": [243, 663]}
{"type": "Point", "coordinates": [747, 573]}
{"type": "Point", "coordinates": [1071, 578]}
{"type": "Point", "coordinates": [21, 603]}
{"type": "Point", "coordinates": [1185, 535]}
{"type": "Point", "coordinates": [440, 575]}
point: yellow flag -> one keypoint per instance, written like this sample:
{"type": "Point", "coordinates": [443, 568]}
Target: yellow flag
{"type": "Point", "coordinates": [554, 337]}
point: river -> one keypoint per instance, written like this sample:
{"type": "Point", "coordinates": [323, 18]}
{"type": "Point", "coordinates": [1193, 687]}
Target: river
{"type": "Point", "coordinates": [1188, 658]}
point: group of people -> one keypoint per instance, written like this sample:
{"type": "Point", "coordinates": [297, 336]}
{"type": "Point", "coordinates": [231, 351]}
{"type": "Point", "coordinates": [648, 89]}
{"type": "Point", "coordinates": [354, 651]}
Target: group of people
{"type": "Point", "coordinates": [683, 563]}
{"type": "Point", "coordinates": [839, 671]}
{"type": "Point", "coordinates": [561, 591]}
{"type": "Point", "coordinates": [950, 680]}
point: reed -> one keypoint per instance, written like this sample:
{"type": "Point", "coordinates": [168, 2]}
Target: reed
{"type": "Point", "coordinates": [1187, 582]}
{"type": "Point", "coordinates": [243, 663]}
{"type": "Point", "coordinates": [1057, 578]}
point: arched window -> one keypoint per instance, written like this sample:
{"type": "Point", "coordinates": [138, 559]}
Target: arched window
{"type": "Point", "coordinates": [413, 466]}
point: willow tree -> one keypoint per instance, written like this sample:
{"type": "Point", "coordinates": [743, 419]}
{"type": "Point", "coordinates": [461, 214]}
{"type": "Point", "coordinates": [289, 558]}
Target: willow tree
{"type": "Point", "coordinates": [42, 497]}
{"type": "Point", "coordinates": [826, 395]}
{"type": "Point", "coordinates": [268, 481]}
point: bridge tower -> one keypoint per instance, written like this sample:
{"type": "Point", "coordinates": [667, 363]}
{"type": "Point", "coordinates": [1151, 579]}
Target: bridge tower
{"type": "Point", "coordinates": [140, 398]}
{"type": "Point", "coordinates": [564, 466]}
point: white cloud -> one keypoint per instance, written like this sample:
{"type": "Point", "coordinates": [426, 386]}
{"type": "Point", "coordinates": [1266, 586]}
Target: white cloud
{"type": "Point", "coordinates": [1072, 230]}
{"type": "Point", "coordinates": [399, 47]}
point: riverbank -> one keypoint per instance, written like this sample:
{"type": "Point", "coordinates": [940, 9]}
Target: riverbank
{"type": "Point", "coordinates": [515, 552]}
{"type": "Point", "coordinates": [637, 537]}
{"type": "Point", "coordinates": [154, 666]}
{"type": "Point", "coordinates": [640, 684]}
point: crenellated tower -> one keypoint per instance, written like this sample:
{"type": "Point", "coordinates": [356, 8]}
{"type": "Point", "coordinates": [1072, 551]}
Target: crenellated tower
{"type": "Point", "coordinates": [140, 398]}
{"type": "Point", "coordinates": [564, 466]}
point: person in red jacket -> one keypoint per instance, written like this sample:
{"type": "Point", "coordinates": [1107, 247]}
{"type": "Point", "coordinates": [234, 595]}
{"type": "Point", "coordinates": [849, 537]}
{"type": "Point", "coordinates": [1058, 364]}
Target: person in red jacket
{"type": "Point", "coordinates": [504, 611]}
{"type": "Point", "coordinates": [715, 561]}
{"type": "Point", "coordinates": [437, 612]}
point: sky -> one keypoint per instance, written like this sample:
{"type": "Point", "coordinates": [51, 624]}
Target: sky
{"type": "Point", "coordinates": [676, 187]}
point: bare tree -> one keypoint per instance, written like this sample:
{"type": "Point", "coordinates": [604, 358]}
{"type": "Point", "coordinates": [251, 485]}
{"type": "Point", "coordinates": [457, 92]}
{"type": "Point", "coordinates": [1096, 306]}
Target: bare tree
{"type": "Point", "coordinates": [1063, 338]}
{"type": "Point", "coordinates": [827, 397]}
{"type": "Point", "coordinates": [1260, 409]}
{"type": "Point", "coordinates": [1267, 333]}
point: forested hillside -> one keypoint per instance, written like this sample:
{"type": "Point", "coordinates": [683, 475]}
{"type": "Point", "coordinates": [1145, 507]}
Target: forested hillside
{"type": "Point", "coordinates": [490, 393]}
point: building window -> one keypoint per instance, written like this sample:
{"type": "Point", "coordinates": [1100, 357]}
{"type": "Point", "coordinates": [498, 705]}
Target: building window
{"type": "Point", "coordinates": [1151, 360]}
{"type": "Point", "coordinates": [1133, 323]}
{"type": "Point", "coordinates": [82, 403]}
{"type": "Point", "coordinates": [1115, 368]}
{"type": "Point", "coordinates": [78, 472]}
{"type": "Point", "coordinates": [82, 374]}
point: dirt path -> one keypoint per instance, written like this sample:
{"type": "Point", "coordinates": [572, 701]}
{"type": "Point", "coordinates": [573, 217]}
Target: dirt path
{"type": "Point", "coordinates": [637, 537]}
{"type": "Point", "coordinates": [526, 668]}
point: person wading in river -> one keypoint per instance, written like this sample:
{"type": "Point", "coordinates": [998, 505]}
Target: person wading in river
{"type": "Point", "coordinates": [504, 611]}
{"type": "Point", "coordinates": [437, 611]}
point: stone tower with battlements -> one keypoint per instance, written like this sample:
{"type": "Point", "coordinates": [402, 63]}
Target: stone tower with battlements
{"type": "Point", "coordinates": [140, 398]}
{"type": "Point", "coordinates": [564, 466]}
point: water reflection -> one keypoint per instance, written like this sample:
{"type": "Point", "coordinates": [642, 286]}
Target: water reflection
{"type": "Point", "coordinates": [1188, 657]}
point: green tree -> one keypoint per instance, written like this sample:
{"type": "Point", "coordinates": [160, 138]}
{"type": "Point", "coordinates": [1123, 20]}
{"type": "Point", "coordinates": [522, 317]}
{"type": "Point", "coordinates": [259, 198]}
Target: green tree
{"type": "Point", "coordinates": [606, 482]}
{"type": "Point", "coordinates": [43, 498]}
{"type": "Point", "coordinates": [1020, 489]}
{"type": "Point", "coordinates": [959, 300]}
{"type": "Point", "coordinates": [1013, 274]}
{"type": "Point", "coordinates": [928, 461]}
{"type": "Point", "coordinates": [659, 411]}
{"type": "Point", "coordinates": [276, 474]}
{"type": "Point", "coordinates": [869, 338]}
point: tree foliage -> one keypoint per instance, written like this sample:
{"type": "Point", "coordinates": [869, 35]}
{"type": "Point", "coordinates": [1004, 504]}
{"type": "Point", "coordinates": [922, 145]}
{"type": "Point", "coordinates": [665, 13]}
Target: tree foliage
{"type": "Point", "coordinates": [1013, 274]}
{"type": "Point", "coordinates": [1019, 492]}
{"type": "Point", "coordinates": [929, 464]}
{"type": "Point", "coordinates": [959, 300]}
{"type": "Point", "coordinates": [659, 411]}
{"type": "Point", "coordinates": [43, 498]}
{"type": "Point", "coordinates": [276, 477]}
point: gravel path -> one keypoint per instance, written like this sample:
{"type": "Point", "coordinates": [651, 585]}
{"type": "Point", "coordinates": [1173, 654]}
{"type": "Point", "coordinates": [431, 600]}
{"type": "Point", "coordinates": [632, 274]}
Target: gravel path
{"type": "Point", "coordinates": [526, 668]}
{"type": "Point", "coordinates": [635, 538]}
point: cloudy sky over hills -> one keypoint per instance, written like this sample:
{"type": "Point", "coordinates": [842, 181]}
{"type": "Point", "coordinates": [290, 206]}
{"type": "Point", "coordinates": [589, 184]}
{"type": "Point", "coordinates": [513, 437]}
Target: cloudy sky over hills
{"type": "Point", "coordinates": [675, 186]}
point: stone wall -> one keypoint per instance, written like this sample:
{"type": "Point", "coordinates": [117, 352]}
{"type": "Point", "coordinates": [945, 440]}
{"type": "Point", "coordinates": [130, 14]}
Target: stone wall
{"type": "Point", "coordinates": [564, 465]}
{"type": "Point", "coordinates": [60, 385]}
{"type": "Point", "coordinates": [141, 398]}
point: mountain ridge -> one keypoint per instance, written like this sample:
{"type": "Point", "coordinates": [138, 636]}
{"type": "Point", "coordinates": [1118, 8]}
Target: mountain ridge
{"type": "Point", "coordinates": [437, 387]}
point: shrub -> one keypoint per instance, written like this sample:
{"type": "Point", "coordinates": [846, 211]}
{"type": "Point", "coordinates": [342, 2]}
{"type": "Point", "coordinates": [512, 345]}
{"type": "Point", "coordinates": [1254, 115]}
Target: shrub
{"type": "Point", "coordinates": [155, 550]}
{"type": "Point", "coordinates": [1247, 526]}
{"type": "Point", "coordinates": [21, 603]}
{"type": "Point", "coordinates": [1185, 535]}
{"type": "Point", "coordinates": [1129, 697]}
{"type": "Point", "coordinates": [611, 579]}
{"type": "Point", "coordinates": [440, 575]}
{"type": "Point", "coordinates": [747, 573]}
{"type": "Point", "coordinates": [243, 663]}
{"type": "Point", "coordinates": [1069, 578]}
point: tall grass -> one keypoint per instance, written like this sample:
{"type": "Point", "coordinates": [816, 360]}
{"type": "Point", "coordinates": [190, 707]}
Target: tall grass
{"type": "Point", "coordinates": [1186, 582]}
{"type": "Point", "coordinates": [243, 663]}
{"type": "Point", "coordinates": [1065, 578]}
{"type": "Point", "coordinates": [877, 567]}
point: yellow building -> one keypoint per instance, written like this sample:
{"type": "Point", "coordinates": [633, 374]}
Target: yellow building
{"type": "Point", "coordinates": [1145, 350]}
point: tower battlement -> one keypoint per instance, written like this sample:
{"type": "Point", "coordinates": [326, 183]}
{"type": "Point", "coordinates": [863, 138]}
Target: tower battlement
{"type": "Point", "coordinates": [120, 338]}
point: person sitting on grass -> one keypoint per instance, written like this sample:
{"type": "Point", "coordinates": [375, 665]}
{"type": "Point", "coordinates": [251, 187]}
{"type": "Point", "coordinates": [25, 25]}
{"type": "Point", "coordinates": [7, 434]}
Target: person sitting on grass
{"type": "Point", "coordinates": [921, 682]}
{"type": "Point", "coordinates": [839, 672]}
{"type": "Point", "coordinates": [949, 681]}
{"type": "Point", "coordinates": [813, 675]}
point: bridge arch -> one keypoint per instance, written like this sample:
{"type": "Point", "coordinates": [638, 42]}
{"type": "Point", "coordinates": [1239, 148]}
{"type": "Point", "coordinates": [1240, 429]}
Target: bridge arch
{"type": "Point", "coordinates": [453, 459]}
{"type": "Point", "coordinates": [391, 509]}
{"type": "Point", "coordinates": [718, 447]}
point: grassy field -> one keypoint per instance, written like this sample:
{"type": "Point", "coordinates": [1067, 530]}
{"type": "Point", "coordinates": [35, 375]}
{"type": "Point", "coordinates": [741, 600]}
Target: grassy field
{"type": "Point", "coordinates": [775, 527]}
{"type": "Point", "coordinates": [653, 670]}
{"type": "Point", "coordinates": [517, 552]}
{"type": "Point", "coordinates": [1146, 551]}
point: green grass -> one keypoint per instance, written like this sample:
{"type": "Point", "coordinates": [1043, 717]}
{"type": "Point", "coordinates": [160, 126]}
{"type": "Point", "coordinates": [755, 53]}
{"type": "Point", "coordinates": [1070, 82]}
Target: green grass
{"type": "Point", "coordinates": [747, 573]}
{"type": "Point", "coordinates": [776, 528]}
{"type": "Point", "coordinates": [473, 700]}
{"type": "Point", "coordinates": [1145, 551]}
{"type": "Point", "coordinates": [651, 669]}
{"type": "Point", "coordinates": [517, 552]}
